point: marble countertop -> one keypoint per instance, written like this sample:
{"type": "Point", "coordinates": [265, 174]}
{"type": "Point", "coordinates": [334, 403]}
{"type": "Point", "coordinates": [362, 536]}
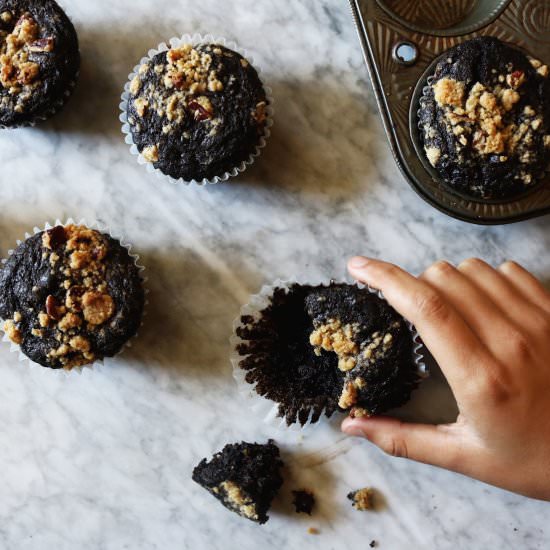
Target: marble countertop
{"type": "Point", "coordinates": [103, 460]}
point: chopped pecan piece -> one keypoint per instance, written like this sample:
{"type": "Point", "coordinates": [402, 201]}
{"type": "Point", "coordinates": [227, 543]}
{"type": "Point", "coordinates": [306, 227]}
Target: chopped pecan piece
{"type": "Point", "coordinates": [42, 45]}
{"type": "Point", "coordinates": [53, 308]}
{"type": "Point", "coordinates": [199, 111]}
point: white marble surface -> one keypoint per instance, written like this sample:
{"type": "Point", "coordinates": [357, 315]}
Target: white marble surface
{"type": "Point", "coordinates": [103, 460]}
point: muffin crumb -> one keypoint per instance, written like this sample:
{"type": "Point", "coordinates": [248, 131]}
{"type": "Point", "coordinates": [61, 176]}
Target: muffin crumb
{"type": "Point", "coordinates": [304, 501]}
{"type": "Point", "coordinates": [362, 499]}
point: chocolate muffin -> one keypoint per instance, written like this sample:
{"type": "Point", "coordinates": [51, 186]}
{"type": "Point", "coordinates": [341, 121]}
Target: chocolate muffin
{"type": "Point", "coordinates": [318, 349]}
{"type": "Point", "coordinates": [244, 477]}
{"type": "Point", "coordinates": [485, 119]}
{"type": "Point", "coordinates": [70, 296]}
{"type": "Point", "coordinates": [197, 112]}
{"type": "Point", "coordinates": [39, 60]}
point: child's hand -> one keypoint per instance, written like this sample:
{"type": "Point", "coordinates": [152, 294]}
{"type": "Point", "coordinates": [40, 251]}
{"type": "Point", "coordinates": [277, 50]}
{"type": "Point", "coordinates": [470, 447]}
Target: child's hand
{"type": "Point", "coordinates": [489, 330]}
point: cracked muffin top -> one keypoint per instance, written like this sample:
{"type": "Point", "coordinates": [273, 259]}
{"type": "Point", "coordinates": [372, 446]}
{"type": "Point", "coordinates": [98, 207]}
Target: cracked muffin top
{"type": "Point", "coordinates": [485, 119]}
{"type": "Point", "coordinates": [196, 112]}
{"type": "Point", "coordinates": [39, 60]}
{"type": "Point", "coordinates": [70, 296]}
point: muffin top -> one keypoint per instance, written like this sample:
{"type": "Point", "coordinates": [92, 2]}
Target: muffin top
{"type": "Point", "coordinates": [244, 477]}
{"type": "Point", "coordinates": [320, 349]}
{"type": "Point", "coordinates": [70, 296]}
{"type": "Point", "coordinates": [485, 119]}
{"type": "Point", "coordinates": [197, 112]}
{"type": "Point", "coordinates": [39, 59]}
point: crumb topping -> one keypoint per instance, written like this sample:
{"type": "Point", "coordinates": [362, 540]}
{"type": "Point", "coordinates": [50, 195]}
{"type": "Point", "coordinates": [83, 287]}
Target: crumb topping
{"type": "Point", "coordinates": [13, 333]}
{"type": "Point", "coordinates": [19, 46]}
{"type": "Point", "coordinates": [354, 351]}
{"type": "Point", "coordinates": [359, 412]}
{"type": "Point", "coordinates": [333, 336]}
{"type": "Point", "coordinates": [433, 154]}
{"type": "Point", "coordinates": [151, 153]}
{"type": "Point", "coordinates": [449, 92]}
{"type": "Point", "coordinates": [83, 303]}
{"type": "Point", "coordinates": [479, 118]}
{"type": "Point", "coordinates": [363, 499]}
{"type": "Point", "coordinates": [237, 498]}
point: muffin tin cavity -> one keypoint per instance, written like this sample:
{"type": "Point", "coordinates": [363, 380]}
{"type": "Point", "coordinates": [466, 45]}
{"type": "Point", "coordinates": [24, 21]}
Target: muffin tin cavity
{"type": "Point", "coordinates": [449, 18]}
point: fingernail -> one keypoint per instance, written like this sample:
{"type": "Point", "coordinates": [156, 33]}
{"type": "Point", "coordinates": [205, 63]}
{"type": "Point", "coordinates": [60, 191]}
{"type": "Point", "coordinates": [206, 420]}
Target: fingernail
{"type": "Point", "coordinates": [354, 431]}
{"type": "Point", "coordinates": [359, 262]}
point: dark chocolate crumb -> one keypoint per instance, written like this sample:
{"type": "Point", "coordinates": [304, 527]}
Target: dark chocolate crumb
{"type": "Point", "coordinates": [303, 501]}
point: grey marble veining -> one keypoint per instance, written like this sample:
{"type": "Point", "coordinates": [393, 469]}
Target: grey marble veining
{"type": "Point", "coordinates": [103, 460]}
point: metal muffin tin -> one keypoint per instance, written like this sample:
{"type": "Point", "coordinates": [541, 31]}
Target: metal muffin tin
{"type": "Point", "coordinates": [401, 39]}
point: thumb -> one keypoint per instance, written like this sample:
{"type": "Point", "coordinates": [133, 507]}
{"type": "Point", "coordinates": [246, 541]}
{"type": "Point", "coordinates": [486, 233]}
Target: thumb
{"type": "Point", "coordinates": [436, 445]}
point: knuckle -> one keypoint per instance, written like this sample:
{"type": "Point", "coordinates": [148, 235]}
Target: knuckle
{"type": "Point", "coordinates": [495, 390]}
{"type": "Point", "coordinates": [541, 321]}
{"type": "Point", "coordinates": [509, 266]}
{"type": "Point", "coordinates": [439, 269]}
{"type": "Point", "coordinates": [395, 446]}
{"type": "Point", "coordinates": [519, 345]}
{"type": "Point", "coordinates": [471, 264]}
{"type": "Point", "coordinates": [388, 270]}
{"type": "Point", "coordinates": [431, 305]}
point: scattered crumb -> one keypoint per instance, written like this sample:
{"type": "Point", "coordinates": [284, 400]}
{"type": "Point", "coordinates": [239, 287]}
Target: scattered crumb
{"type": "Point", "coordinates": [313, 531]}
{"type": "Point", "coordinates": [304, 501]}
{"type": "Point", "coordinates": [373, 544]}
{"type": "Point", "coordinates": [362, 499]}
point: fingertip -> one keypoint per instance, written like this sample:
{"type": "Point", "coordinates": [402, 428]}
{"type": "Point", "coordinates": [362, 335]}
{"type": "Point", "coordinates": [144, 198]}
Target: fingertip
{"type": "Point", "coordinates": [358, 262]}
{"type": "Point", "coordinates": [353, 427]}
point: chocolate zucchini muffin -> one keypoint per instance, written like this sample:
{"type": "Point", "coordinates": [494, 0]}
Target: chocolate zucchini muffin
{"type": "Point", "coordinates": [70, 296]}
{"type": "Point", "coordinates": [244, 477]}
{"type": "Point", "coordinates": [321, 349]}
{"type": "Point", "coordinates": [197, 112]}
{"type": "Point", "coordinates": [485, 119]}
{"type": "Point", "coordinates": [39, 60]}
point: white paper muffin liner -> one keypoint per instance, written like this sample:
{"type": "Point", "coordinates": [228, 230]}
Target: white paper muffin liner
{"type": "Point", "coordinates": [263, 407]}
{"type": "Point", "coordinates": [196, 40]}
{"type": "Point", "coordinates": [61, 102]}
{"type": "Point", "coordinates": [102, 228]}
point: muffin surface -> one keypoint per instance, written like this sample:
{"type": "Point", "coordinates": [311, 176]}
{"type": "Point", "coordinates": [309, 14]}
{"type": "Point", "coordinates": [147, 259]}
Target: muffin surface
{"type": "Point", "coordinates": [244, 477]}
{"type": "Point", "coordinates": [70, 296]}
{"type": "Point", "coordinates": [197, 112]}
{"type": "Point", "coordinates": [485, 119]}
{"type": "Point", "coordinates": [39, 60]}
{"type": "Point", "coordinates": [317, 350]}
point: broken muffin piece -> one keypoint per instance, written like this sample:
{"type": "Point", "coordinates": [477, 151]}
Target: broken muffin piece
{"type": "Point", "coordinates": [244, 477]}
{"type": "Point", "coordinates": [303, 501]}
{"type": "Point", "coordinates": [318, 349]}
